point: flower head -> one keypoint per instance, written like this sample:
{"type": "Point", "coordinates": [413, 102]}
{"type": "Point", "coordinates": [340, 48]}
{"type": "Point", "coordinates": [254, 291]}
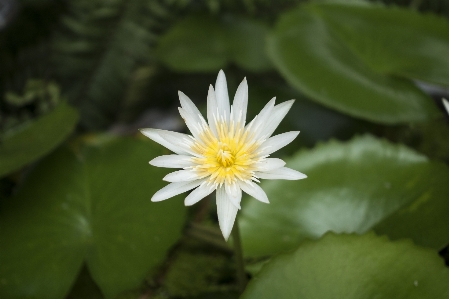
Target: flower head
{"type": "Point", "coordinates": [223, 153]}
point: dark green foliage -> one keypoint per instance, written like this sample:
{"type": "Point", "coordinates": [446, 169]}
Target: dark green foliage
{"type": "Point", "coordinates": [98, 48]}
{"type": "Point", "coordinates": [76, 220]}
{"type": "Point", "coordinates": [37, 98]}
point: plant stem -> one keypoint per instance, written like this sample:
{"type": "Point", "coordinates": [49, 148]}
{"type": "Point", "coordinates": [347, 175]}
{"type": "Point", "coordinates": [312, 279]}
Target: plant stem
{"type": "Point", "coordinates": [241, 275]}
{"type": "Point", "coordinates": [209, 235]}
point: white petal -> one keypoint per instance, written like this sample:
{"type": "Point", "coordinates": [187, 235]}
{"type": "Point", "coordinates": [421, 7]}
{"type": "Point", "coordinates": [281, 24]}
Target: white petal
{"type": "Point", "coordinates": [282, 173]}
{"type": "Point", "coordinates": [174, 189]}
{"type": "Point", "coordinates": [274, 119]}
{"type": "Point", "coordinates": [240, 104]}
{"type": "Point", "coordinates": [222, 96]}
{"type": "Point", "coordinates": [269, 164]}
{"type": "Point", "coordinates": [189, 106]}
{"type": "Point", "coordinates": [234, 194]}
{"type": "Point", "coordinates": [199, 193]}
{"type": "Point", "coordinates": [446, 105]}
{"type": "Point", "coordinates": [193, 123]}
{"type": "Point", "coordinates": [264, 114]}
{"type": "Point", "coordinates": [277, 142]}
{"type": "Point", "coordinates": [181, 142]}
{"type": "Point", "coordinates": [226, 212]}
{"type": "Point", "coordinates": [211, 109]}
{"type": "Point", "coordinates": [156, 135]}
{"type": "Point", "coordinates": [254, 190]}
{"type": "Point", "coordinates": [172, 161]}
{"type": "Point", "coordinates": [181, 176]}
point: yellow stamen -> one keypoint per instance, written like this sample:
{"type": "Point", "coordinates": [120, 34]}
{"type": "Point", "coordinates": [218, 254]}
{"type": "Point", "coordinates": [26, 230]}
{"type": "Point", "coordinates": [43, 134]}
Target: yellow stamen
{"type": "Point", "coordinates": [227, 157]}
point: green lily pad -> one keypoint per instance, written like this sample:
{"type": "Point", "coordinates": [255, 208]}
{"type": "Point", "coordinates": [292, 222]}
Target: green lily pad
{"type": "Point", "coordinates": [351, 187]}
{"type": "Point", "coordinates": [202, 43]}
{"type": "Point", "coordinates": [91, 206]}
{"type": "Point", "coordinates": [35, 139]}
{"type": "Point", "coordinates": [308, 49]}
{"type": "Point", "coordinates": [353, 267]}
{"type": "Point", "coordinates": [393, 40]}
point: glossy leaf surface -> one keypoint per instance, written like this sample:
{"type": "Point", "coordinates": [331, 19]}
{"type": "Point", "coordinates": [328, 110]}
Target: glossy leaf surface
{"type": "Point", "coordinates": [352, 267]}
{"type": "Point", "coordinates": [351, 187]}
{"type": "Point", "coordinates": [338, 65]}
{"type": "Point", "coordinates": [93, 206]}
{"type": "Point", "coordinates": [37, 138]}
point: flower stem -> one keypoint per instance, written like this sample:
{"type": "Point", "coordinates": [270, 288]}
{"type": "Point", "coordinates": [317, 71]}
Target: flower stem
{"type": "Point", "coordinates": [241, 275]}
{"type": "Point", "coordinates": [209, 235]}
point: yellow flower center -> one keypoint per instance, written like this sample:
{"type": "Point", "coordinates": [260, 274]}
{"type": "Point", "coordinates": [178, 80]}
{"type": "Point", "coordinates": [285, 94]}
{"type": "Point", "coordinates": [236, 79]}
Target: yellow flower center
{"type": "Point", "coordinates": [227, 157]}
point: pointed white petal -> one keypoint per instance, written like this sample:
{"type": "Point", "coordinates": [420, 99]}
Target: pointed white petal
{"type": "Point", "coordinates": [211, 109]}
{"type": "Point", "coordinates": [189, 106]}
{"type": "Point", "coordinates": [234, 194]}
{"type": "Point", "coordinates": [240, 104]}
{"type": "Point", "coordinates": [156, 135]}
{"type": "Point", "coordinates": [193, 123]}
{"type": "Point", "coordinates": [446, 105]}
{"type": "Point", "coordinates": [277, 142]}
{"type": "Point", "coordinates": [222, 96]}
{"type": "Point", "coordinates": [172, 161]}
{"type": "Point", "coordinates": [282, 173]}
{"type": "Point", "coordinates": [199, 193]}
{"type": "Point", "coordinates": [181, 176]}
{"type": "Point", "coordinates": [181, 142]}
{"type": "Point", "coordinates": [273, 121]}
{"type": "Point", "coordinates": [174, 189]}
{"type": "Point", "coordinates": [263, 116]}
{"type": "Point", "coordinates": [269, 164]}
{"type": "Point", "coordinates": [226, 212]}
{"type": "Point", "coordinates": [254, 190]}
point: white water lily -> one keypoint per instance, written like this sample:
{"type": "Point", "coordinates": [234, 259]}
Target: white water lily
{"type": "Point", "coordinates": [222, 153]}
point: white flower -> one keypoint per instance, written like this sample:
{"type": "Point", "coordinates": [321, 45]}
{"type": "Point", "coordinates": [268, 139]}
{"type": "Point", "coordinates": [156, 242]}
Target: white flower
{"type": "Point", "coordinates": [223, 154]}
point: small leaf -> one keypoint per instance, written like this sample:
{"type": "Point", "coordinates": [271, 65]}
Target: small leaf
{"type": "Point", "coordinates": [204, 43]}
{"type": "Point", "coordinates": [351, 187]}
{"type": "Point", "coordinates": [35, 139]}
{"type": "Point", "coordinates": [197, 43]}
{"type": "Point", "coordinates": [352, 267]}
{"type": "Point", "coordinates": [310, 53]}
{"type": "Point", "coordinates": [246, 43]}
{"type": "Point", "coordinates": [92, 207]}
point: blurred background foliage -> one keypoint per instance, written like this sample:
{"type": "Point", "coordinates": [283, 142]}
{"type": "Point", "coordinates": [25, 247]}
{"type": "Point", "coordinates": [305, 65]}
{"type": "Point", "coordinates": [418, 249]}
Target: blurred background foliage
{"type": "Point", "coordinates": [78, 78]}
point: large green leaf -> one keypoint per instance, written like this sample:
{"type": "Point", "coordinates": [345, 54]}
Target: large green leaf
{"type": "Point", "coordinates": [351, 187]}
{"type": "Point", "coordinates": [393, 40]}
{"type": "Point", "coordinates": [37, 138]}
{"type": "Point", "coordinates": [204, 43]}
{"type": "Point", "coordinates": [92, 206]}
{"type": "Point", "coordinates": [353, 267]}
{"type": "Point", "coordinates": [309, 51]}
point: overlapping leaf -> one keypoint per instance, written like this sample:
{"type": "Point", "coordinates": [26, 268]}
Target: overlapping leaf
{"type": "Point", "coordinates": [359, 58]}
{"type": "Point", "coordinates": [37, 138]}
{"type": "Point", "coordinates": [202, 43]}
{"type": "Point", "coordinates": [94, 207]}
{"type": "Point", "coordinates": [351, 187]}
{"type": "Point", "coordinates": [353, 267]}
